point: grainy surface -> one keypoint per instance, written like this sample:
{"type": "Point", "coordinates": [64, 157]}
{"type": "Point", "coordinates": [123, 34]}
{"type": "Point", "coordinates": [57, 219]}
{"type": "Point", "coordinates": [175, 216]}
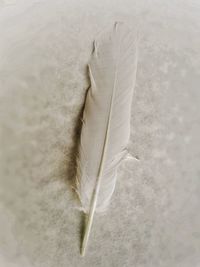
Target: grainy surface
{"type": "Point", "coordinates": [154, 217]}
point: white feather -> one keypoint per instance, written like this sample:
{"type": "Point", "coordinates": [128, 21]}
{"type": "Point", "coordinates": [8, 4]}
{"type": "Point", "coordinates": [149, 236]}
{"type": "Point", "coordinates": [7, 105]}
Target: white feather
{"type": "Point", "coordinates": [106, 118]}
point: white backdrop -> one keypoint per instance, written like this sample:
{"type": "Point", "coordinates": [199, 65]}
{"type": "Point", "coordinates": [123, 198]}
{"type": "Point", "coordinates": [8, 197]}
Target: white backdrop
{"type": "Point", "coordinates": [154, 217]}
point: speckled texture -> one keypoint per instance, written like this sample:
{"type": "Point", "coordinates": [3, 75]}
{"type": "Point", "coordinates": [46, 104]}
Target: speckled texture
{"type": "Point", "coordinates": [154, 217]}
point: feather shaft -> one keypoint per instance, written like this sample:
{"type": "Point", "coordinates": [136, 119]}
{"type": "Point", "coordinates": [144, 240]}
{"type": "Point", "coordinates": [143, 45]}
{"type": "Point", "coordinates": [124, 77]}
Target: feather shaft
{"type": "Point", "coordinates": [98, 183]}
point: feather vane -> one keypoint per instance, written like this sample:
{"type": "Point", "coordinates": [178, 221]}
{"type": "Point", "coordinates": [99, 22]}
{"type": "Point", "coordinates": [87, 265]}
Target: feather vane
{"type": "Point", "coordinates": [106, 119]}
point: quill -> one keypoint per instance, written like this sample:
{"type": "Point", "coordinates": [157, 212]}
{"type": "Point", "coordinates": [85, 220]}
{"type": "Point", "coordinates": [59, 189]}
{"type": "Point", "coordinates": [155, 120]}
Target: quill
{"type": "Point", "coordinates": [106, 119]}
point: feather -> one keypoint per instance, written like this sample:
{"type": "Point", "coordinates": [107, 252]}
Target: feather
{"type": "Point", "coordinates": [106, 119]}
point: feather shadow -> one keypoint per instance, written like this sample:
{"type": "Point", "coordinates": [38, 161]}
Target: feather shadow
{"type": "Point", "coordinates": [72, 152]}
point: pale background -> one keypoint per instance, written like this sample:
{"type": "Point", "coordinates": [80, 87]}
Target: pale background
{"type": "Point", "coordinates": [154, 216]}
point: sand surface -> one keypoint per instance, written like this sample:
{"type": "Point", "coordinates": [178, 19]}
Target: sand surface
{"type": "Point", "coordinates": [154, 216]}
